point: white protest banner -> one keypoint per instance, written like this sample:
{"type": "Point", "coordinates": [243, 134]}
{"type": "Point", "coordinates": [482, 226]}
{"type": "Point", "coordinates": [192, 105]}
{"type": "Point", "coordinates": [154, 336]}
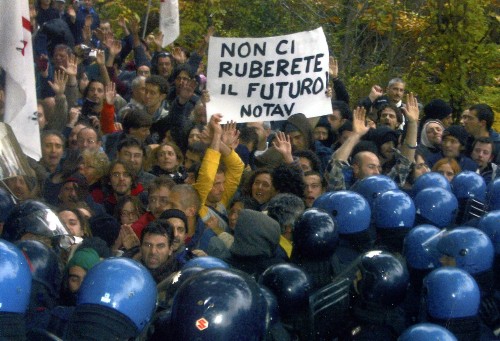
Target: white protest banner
{"type": "Point", "coordinates": [261, 79]}
{"type": "Point", "coordinates": [16, 58]}
{"type": "Point", "coordinates": [169, 21]}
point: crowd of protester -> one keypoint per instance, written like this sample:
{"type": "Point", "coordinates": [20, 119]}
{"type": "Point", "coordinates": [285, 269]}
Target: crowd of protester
{"type": "Point", "coordinates": [149, 220]}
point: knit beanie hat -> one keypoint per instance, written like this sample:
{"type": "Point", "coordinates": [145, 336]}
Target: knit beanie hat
{"type": "Point", "coordinates": [458, 132]}
{"type": "Point", "coordinates": [437, 109]}
{"type": "Point", "coordinates": [85, 258]}
{"type": "Point", "coordinates": [174, 213]}
{"type": "Point", "coordinates": [379, 102]}
{"type": "Point", "coordinates": [105, 227]}
{"type": "Point", "coordinates": [255, 234]}
{"type": "Point", "coordinates": [290, 128]}
{"type": "Point", "coordinates": [384, 134]}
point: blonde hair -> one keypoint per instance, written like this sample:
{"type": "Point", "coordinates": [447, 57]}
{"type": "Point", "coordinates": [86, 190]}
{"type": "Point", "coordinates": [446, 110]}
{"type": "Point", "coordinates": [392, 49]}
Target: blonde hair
{"type": "Point", "coordinates": [97, 159]}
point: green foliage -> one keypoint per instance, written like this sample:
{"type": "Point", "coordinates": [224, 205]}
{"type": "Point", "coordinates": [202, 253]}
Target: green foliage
{"type": "Point", "coordinates": [442, 48]}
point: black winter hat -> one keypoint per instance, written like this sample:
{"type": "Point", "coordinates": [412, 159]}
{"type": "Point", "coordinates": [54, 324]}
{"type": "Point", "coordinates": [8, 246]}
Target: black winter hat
{"type": "Point", "coordinates": [458, 132]}
{"type": "Point", "coordinates": [174, 213]}
{"type": "Point", "coordinates": [438, 109]}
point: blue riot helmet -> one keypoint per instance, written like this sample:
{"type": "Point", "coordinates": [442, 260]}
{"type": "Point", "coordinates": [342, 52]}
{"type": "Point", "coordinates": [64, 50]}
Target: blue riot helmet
{"type": "Point", "coordinates": [272, 311]}
{"type": "Point", "coordinates": [33, 217]}
{"type": "Point", "coordinates": [45, 269]}
{"type": "Point", "coordinates": [350, 210]}
{"type": "Point", "coordinates": [430, 180]}
{"type": "Point", "coordinates": [416, 255]}
{"type": "Point", "coordinates": [493, 195]}
{"type": "Point", "coordinates": [373, 186]}
{"type": "Point", "coordinates": [490, 224]}
{"type": "Point", "coordinates": [206, 262]}
{"type": "Point", "coordinates": [291, 286]}
{"type": "Point", "coordinates": [382, 278]}
{"type": "Point", "coordinates": [219, 304]}
{"type": "Point", "coordinates": [315, 235]}
{"type": "Point", "coordinates": [435, 206]}
{"type": "Point", "coordinates": [451, 293]}
{"type": "Point", "coordinates": [7, 204]}
{"type": "Point", "coordinates": [393, 209]}
{"type": "Point", "coordinates": [467, 185]}
{"type": "Point", "coordinates": [470, 190]}
{"type": "Point", "coordinates": [466, 248]}
{"type": "Point", "coordinates": [15, 279]}
{"type": "Point", "coordinates": [393, 215]}
{"type": "Point", "coordinates": [419, 259]}
{"type": "Point", "coordinates": [426, 332]}
{"type": "Point", "coordinates": [117, 299]}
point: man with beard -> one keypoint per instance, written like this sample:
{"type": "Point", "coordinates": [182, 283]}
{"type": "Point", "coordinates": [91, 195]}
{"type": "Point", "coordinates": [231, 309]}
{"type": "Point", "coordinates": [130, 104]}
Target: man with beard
{"type": "Point", "coordinates": [178, 220]}
{"type": "Point", "coordinates": [156, 249]}
{"type": "Point", "coordinates": [122, 180]}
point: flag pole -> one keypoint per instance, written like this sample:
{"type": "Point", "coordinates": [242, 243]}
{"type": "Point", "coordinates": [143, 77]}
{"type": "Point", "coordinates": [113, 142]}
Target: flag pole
{"type": "Point", "coordinates": [146, 20]}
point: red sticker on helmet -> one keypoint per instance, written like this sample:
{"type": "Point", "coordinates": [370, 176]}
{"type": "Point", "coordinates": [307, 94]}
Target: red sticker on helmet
{"type": "Point", "coordinates": [201, 324]}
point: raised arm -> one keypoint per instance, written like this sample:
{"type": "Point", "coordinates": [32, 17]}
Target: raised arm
{"type": "Point", "coordinates": [411, 113]}
{"type": "Point", "coordinates": [359, 129]}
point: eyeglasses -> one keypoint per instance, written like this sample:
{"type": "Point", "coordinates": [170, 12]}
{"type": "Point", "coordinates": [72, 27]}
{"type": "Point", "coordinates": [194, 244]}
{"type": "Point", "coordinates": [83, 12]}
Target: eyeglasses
{"type": "Point", "coordinates": [421, 165]}
{"type": "Point", "coordinates": [129, 214]}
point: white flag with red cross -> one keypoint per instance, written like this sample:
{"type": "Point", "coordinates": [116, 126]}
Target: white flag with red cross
{"type": "Point", "coordinates": [16, 58]}
{"type": "Point", "coordinates": [169, 21]}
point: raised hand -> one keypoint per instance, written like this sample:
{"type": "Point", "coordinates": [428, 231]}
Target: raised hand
{"type": "Point", "coordinates": [158, 40]}
{"type": "Point", "coordinates": [110, 93]}
{"type": "Point", "coordinates": [99, 34]}
{"type": "Point", "coordinates": [411, 111]}
{"type": "Point", "coordinates": [134, 26]}
{"type": "Point", "coordinates": [214, 124]}
{"type": "Point", "coordinates": [375, 92]}
{"type": "Point", "coordinates": [179, 55]}
{"type": "Point", "coordinates": [210, 32]}
{"type": "Point", "coordinates": [128, 237]}
{"type": "Point", "coordinates": [71, 13]}
{"type": "Point", "coordinates": [333, 68]}
{"type": "Point", "coordinates": [107, 39]}
{"type": "Point", "coordinates": [71, 69]}
{"type": "Point", "coordinates": [100, 57]}
{"type": "Point", "coordinates": [205, 96]}
{"type": "Point", "coordinates": [59, 84]}
{"type": "Point", "coordinates": [115, 47]}
{"type": "Point", "coordinates": [358, 123]}
{"type": "Point", "coordinates": [230, 135]}
{"type": "Point", "coordinates": [74, 115]}
{"type": "Point", "coordinates": [329, 92]}
{"type": "Point", "coordinates": [283, 146]}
